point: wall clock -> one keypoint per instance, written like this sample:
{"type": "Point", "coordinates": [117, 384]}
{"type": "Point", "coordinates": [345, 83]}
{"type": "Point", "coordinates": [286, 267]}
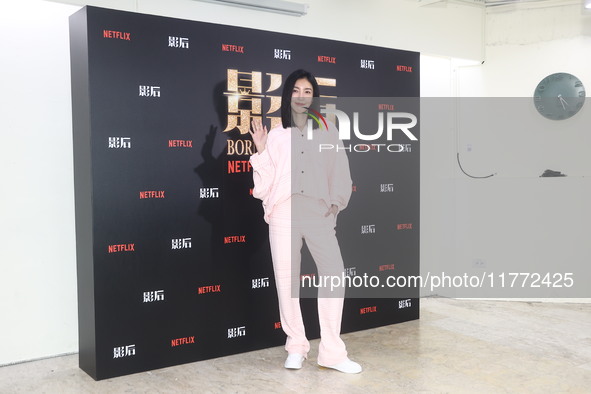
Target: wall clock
{"type": "Point", "coordinates": [559, 96]}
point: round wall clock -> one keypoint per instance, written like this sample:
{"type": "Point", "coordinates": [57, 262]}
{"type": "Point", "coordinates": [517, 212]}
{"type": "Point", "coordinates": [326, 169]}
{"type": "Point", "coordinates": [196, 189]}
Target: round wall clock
{"type": "Point", "coordinates": [559, 96]}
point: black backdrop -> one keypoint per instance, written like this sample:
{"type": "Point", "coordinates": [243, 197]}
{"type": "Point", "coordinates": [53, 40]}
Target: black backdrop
{"type": "Point", "coordinates": [173, 257]}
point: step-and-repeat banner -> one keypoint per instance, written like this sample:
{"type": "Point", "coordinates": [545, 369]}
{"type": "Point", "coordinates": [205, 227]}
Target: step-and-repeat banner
{"type": "Point", "coordinates": [173, 253]}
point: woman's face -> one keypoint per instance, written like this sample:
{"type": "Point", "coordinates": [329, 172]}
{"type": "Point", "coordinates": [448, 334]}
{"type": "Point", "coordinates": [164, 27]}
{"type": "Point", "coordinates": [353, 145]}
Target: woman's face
{"type": "Point", "coordinates": [302, 94]}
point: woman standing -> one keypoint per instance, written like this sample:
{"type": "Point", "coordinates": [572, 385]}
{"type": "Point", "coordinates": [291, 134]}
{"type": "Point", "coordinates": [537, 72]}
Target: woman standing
{"type": "Point", "coordinates": [302, 190]}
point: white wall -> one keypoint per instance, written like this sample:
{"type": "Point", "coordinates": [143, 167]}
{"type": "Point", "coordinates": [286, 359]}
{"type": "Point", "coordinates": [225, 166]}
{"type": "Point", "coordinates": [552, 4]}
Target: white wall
{"type": "Point", "coordinates": [37, 254]}
{"type": "Point", "coordinates": [515, 221]}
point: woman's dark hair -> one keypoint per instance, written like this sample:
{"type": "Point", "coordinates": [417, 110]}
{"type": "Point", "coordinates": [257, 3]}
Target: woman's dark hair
{"type": "Point", "coordinates": [288, 91]}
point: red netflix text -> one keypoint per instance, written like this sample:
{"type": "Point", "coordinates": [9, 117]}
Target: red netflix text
{"type": "Point", "coordinates": [209, 289]}
{"type": "Point", "coordinates": [152, 194]}
{"type": "Point", "coordinates": [232, 48]}
{"type": "Point", "coordinates": [180, 143]}
{"type": "Point", "coordinates": [121, 248]}
{"type": "Point", "coordinates": [327, 59]}
{"type": "Point", "coordinates": [117, 35]}
{"type": "Point", "coordinates": [182, 341]}
{"type": "Point", "coordinates": [234, 238]}
{"type": "Point", "coordinates": [235, 166]}
{"type": "Point", "coordinates": [369, 309]}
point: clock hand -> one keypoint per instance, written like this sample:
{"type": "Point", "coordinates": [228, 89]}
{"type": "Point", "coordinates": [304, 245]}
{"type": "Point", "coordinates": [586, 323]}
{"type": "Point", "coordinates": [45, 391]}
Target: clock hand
{"type": "Point", "coordinates": [562, 101]}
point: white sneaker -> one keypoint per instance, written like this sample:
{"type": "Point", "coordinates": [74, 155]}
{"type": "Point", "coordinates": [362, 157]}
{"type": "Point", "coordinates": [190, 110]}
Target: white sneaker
{"type": "Point", "coordinates": [294, 361]}
{"type": "Point", "coordinates": [346, 366]}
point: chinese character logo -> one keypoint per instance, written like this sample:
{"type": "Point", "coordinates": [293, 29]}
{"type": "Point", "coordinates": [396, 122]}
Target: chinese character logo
{"type": "Point", "coordinates": [178, 42]}
{"type": "Point", "coordinates": [245, 99]}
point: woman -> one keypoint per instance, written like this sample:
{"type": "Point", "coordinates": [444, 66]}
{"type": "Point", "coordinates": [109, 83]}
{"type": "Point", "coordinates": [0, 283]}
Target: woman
{"type": "Point", "coordinates": [303, 190]}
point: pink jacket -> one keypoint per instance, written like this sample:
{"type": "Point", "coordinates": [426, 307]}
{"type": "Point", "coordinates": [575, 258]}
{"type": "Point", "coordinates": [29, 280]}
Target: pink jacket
{"type": "Point", "coordinates": [322, 174]}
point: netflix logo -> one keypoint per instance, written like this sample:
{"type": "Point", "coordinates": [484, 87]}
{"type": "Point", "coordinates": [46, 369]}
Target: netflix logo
{"type": "Point", "coordinates": [235, 239]}
{"type": "Point", "coordinates": [327, 59]}
{"type": "Point", "coordinates": [238, 166]}
{"type": "Point", "coordinates": [407, 69]}
{"type": "Point", "coordinates": [369, 309]}
{"type": "Point", "coordinates": [180, 143]}
{"type": "Point", "coordinates": [121, 248]}
{"type": "Point", "coordinates": [232, 48]}
{"type": "Point", "coordinates": [209, 289]}
{"type": "Point", "coordinates": [118, 35]}
{"type": "Point", "coordinates": [151, 194]}
{"type": "Point", "coordinates": [182, 341]}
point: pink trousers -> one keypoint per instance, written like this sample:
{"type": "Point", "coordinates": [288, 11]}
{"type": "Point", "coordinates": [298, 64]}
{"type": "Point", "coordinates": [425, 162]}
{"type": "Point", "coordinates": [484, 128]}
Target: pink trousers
{"type": "Point", "coordinates": [292, 221]}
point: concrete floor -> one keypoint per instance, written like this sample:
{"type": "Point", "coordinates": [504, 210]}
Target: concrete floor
{"type": "Point", "coordinates": [458, 346]}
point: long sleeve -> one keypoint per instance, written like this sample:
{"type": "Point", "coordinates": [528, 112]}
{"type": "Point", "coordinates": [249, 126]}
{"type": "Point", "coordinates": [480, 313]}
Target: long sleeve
{"type": "Point", "coordinates": [271, 170]}
{"type": "Point", "coordinates": [263, 174]}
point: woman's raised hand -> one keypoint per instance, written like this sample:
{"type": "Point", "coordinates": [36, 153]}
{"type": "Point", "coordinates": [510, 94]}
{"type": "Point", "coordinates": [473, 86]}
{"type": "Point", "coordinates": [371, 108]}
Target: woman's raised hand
{"type": "Point", "coordinates": [259, 135]}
